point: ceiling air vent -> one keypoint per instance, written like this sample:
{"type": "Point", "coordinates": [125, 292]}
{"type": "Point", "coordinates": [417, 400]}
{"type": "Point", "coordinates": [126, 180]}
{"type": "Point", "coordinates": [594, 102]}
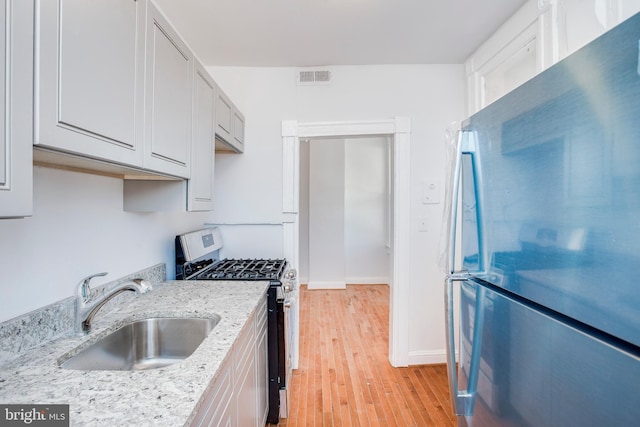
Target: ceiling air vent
{"type": "Point", "coordinates": [320, 76]}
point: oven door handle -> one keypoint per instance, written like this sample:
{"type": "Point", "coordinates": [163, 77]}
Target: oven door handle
{"type": "Point", "coordinates": [288, 302]}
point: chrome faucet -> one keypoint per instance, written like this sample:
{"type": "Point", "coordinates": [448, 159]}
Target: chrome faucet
{"type": "Point", "coordinates": [87, 304]}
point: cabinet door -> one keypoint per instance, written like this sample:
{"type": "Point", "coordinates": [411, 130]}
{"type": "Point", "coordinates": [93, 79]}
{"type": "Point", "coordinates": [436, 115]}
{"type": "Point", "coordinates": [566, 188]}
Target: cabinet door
{"type": "Point", "coordinates": [168, 98]}
{"type": "Point", "coordinates": [246, 394]}
{"type": "Point", "coordinates": [200, 186]}
{"type": "Point", "coordinates": [216, 408]}
{"type": "Point", "coordinates": [90, 77]}
{"type": "Point", "coordinates": [584, 20]}
{"type": "Point", "coordinates": [224, 117]}
{"type": "Point", "coordinates": [245, 375]}
{"type": "Point", "coordinates": [262, 365]}
{"type": "Point", "coordinates": [238, 129]}
{"type": "Point", "coordinates": [16, 75]}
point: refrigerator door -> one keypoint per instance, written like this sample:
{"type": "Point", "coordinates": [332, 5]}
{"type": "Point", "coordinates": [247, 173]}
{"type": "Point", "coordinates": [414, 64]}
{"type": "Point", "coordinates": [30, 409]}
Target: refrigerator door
{"type": "Point", "coordinates": [537, 370]}
{"type": "Point", "coordinates": [551, 187]}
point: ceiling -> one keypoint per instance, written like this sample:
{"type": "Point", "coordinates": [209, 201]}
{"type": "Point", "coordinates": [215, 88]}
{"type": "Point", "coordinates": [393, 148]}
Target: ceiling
{"type": "Point", "coordinates": [301, 33]}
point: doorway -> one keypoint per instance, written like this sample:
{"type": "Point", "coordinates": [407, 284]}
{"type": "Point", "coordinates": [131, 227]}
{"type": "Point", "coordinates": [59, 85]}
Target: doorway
{"type": "Point", "coordinates": [399, 130]}
{"type": "Point", "coordinates": [345, 211]}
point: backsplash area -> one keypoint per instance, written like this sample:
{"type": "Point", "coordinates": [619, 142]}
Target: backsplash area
{"type": "Point", "coordinates": [53, 321]}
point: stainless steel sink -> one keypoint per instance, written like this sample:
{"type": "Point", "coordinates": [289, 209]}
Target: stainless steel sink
{"type": "Point", "coordinates": [144, 344]}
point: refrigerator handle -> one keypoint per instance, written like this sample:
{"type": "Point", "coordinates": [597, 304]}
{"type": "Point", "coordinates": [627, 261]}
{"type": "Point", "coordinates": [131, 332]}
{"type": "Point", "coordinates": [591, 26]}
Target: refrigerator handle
{"type": "Point", "coordinates": [465, 144]}
{"type": "Point", "coordinates": [453, 208]}
{"type": "Point", "coordinates": [463, 400]}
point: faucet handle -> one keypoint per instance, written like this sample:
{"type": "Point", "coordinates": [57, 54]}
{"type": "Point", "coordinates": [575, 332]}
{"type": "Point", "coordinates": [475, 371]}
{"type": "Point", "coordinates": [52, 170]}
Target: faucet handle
{"type": "Point", "coordinates": [145, 285]}
{"type": "Point", "coordinates": [84, 290]}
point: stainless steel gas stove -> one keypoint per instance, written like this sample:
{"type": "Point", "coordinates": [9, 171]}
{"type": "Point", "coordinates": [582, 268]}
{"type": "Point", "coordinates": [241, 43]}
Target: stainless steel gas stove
{"type": "Point", "coordinates": [197, 258]}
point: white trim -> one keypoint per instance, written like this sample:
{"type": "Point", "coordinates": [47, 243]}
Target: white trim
{"type": "Point", "coordinates": [520, 29]}
{"type": "Point", "coordinates": [382, 127]}
{"type": "Point", "coordinates": [367, 280]}
{"type": "Point", "coordinates": [401, 246]}
{"type": "Point", "coordinates": [400, 129]}
{"type": "Point", "coordinates": [290, 172]}
{"type": "Point", "coordinates": [433, 357]}
{"type": "Point", "coordinates": [318, 284]}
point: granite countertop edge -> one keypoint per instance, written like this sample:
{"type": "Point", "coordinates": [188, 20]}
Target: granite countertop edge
{"type": "Point", "coordinates": [168, 396]}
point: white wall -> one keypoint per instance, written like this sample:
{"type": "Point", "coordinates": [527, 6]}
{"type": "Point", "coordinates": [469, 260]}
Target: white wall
{"type": "Point", "coordinates": [303, 223]}
{"type": "Point", "coordinates": [366, 210]}
{"type": "Point", "coordinates": [431, 95]}
{"type": "Point", "coordinates": [344, 211]}
{"type": "Point", "coordinates": [78, 228]}
{"type": "Point", "coordinates": [326, 214]}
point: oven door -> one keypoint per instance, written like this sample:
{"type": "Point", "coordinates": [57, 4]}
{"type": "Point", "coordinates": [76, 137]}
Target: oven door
{"type": "Point", "coordinates": [289, 306]}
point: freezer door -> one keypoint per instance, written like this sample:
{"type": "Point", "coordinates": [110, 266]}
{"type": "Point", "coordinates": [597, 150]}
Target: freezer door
{"type": "Point", "coordinates": [551, 187]}
{"type": "Point", "coordinates": [536, 370]}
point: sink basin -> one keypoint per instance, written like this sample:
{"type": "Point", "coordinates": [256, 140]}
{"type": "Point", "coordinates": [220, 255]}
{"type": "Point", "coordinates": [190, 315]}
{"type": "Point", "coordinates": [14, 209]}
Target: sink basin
{"type": "Point", "coordinates": [144, 344]}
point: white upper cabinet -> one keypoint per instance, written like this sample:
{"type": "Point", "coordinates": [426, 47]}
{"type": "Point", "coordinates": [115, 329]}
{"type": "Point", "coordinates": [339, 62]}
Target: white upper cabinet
{"type": "Point", "coordinates": [229, 125]}
{"type": "Point", "coordinates": [200, 187]}
{"type": "Point", "coordinates": [89, 77]}
{"type": "Point", "coordinates": [16, 74]}
{"type": "Point", "coordinates": [537, 36]}
{"type": "Point", "coordinates": [238, 129]}
{"type": "Point", "coordinates": [169, 68]}
{"type": "Point", "coordinates": [581, 21]}
{"type": "Point", "coordinates": [224, 116]}
{"type": "Point", "coordinates": [507, 59]}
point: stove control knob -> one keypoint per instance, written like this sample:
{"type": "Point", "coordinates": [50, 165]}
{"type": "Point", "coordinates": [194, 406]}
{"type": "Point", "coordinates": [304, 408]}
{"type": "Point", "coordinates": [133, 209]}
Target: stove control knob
{"type": "Point", "coordinates": [287, 287]}
{"type": "Point", "coordinates": [291, 274]}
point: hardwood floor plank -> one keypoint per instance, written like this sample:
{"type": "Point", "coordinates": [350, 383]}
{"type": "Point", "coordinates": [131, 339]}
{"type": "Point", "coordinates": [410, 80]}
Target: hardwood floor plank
{"type": "Point", "coordinates": [344, 378]}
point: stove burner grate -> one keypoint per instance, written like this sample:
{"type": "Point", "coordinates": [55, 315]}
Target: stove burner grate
{"type": "Point", "coordinates": [244, 269]}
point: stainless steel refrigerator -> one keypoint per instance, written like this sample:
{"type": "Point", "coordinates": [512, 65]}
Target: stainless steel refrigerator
{"type": "Point", "coordinates": [546, 193]}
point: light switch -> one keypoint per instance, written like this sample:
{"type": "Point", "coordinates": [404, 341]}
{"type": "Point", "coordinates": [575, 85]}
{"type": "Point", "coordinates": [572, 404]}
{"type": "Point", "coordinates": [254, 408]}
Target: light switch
{"type": "Point", "coordinates": [422, 224]}
{"type": "Point", "coordinates": [430, 193]}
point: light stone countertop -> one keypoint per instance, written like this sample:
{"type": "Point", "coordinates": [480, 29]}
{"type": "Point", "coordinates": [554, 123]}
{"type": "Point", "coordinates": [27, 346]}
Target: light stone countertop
{"type": "Point", "coordinates": [157, 397]}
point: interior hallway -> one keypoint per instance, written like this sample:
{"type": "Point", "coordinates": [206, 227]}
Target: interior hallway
{"type": "Point", "coordinates": [344, 377]}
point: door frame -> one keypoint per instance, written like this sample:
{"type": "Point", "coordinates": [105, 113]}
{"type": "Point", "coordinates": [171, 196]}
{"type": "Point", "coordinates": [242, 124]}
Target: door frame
{"type": "Point", "coordinates": [399, 128]}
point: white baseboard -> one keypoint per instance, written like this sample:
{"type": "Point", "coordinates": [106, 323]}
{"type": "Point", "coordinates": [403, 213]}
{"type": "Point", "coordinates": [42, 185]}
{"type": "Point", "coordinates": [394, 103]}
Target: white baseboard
{"type": "Point", "coordinates": [317, 284]}
{"type": "Point", "coordinates": [367, 280]}
{"type": "Point", "coordinates": [431, 357]}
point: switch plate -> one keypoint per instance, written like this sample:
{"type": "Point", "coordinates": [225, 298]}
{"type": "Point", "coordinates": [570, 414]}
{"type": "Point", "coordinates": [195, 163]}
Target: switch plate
{"type": "Point", "coordinates": [423, 224]}
{"type": "Point", "coordinates": [430, 193]}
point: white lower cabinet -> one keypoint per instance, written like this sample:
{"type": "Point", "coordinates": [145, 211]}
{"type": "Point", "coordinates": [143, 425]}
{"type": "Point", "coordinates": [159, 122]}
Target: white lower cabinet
{"type": "Point", "coordinates": [217, 409]}
{"type": "Point", "coordinates": [245, 378]}
{"type": "Point", "coordinates": [16, 108]}
{"type": "Point", "coordinates": [239, 395]}
{"type": "Point", "coordinates": [262, 367]}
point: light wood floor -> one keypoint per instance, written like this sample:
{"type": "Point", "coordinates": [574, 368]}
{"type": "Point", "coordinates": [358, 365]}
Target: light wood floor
{"type": "Point", "coordinates": [344, 376]}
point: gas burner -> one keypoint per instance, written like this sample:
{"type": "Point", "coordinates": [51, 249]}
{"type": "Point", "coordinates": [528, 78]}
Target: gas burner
{"type": "Point", "coordinates": [193, 267]}
{"type": "Point", "coordinates": [244, 269]}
